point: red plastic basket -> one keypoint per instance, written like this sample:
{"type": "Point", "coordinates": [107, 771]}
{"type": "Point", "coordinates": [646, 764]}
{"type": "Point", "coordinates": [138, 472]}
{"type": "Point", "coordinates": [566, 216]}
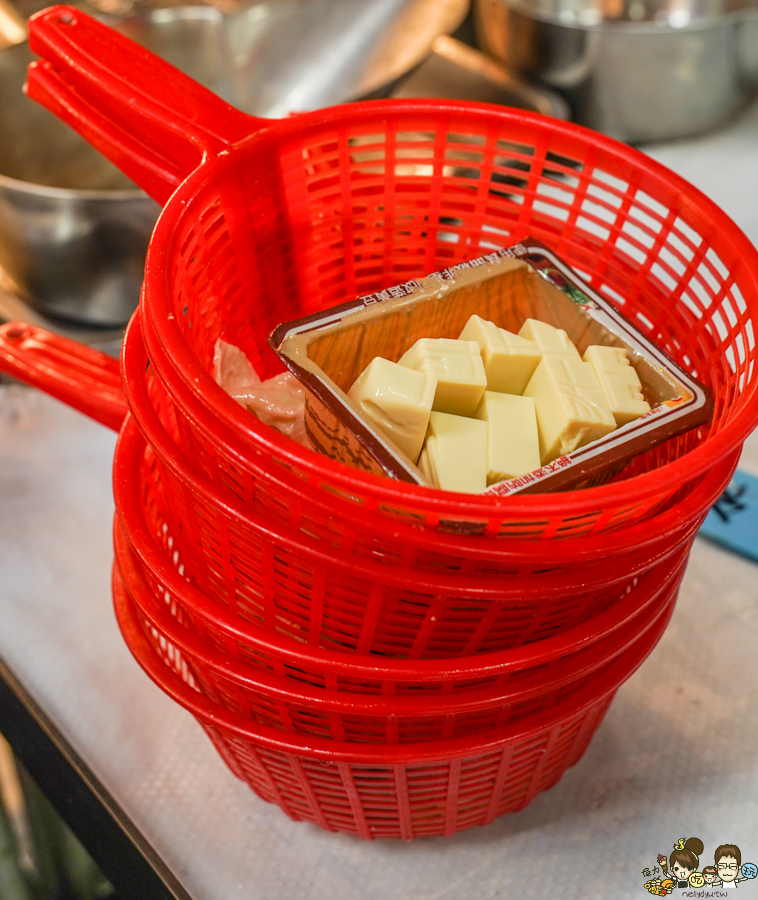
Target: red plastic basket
{"type": "Point", "coordinates": [394, 791]}
{"type": "Point", "coordinates": [633, 549]}
{"type": "Point", "coordinates": [637, 233]}
{"type": "Point", "coordinates": [271, 220]}
{"type": "Point", "coordinates": [349, 716]}
{"type": "Point", "coordinates": [359, 525]}
{"type": "Point", "coordinates": [429, 616]}
{"type": "Point", "coordinates": [153, 559]}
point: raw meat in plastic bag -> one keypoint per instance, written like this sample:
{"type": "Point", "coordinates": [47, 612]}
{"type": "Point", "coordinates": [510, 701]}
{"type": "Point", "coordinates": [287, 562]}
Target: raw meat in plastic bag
{"type": "Point", "coordinates": [278, 401]}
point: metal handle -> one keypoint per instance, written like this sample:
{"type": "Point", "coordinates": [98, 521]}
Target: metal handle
{"type": "Point", "coordinates": [155, 123]}
{"type": "Point", "coordinates": [12, 25]}
{"type": "Point", "coordinates": [81, 377]}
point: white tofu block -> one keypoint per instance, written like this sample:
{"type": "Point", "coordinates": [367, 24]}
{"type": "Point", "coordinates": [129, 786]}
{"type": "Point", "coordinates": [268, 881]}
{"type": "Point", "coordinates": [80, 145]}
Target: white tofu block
{"type": "Point", "coordinates": [455, 453]}
{"type": "Point", "coordinates": [571, 407]}
{"type": "Point", "coordinates": [550, 340]}
{"type": "Point", "coordinates": [397, 400]}
{"type": "Point", "coordinates": [513, 445]}
{"type": "Point", "coordinates": [620, 381]}
{"type": "Point", "coordinates": [458, 368]}
{"type": "Point", "coordinates": [509, 360]}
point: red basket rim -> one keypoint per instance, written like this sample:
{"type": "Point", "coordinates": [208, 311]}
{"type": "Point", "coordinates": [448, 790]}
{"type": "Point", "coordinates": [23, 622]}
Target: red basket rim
{"type": "Point", "coordinates": [634, 539]}
{"type": "Point", "coordinates": [428, 704]}
{"type": "Point", "coordinates": [362, 753]}
{"type": "Point", "coordinates": [472, 586]}
{"type": "Point", "coordinates": [126, 463]}
{"type": "Point", "coordinates": [220, 413]}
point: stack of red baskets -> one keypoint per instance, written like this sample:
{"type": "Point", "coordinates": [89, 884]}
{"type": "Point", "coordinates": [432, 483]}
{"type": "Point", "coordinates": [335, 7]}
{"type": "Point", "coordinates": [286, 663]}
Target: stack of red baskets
{"type": "Point", "coordinates": [421, 733]}
{"type": "Point", "coordinates": [377, 745]}
{"type": "Point", "coordinates": [373, 656]}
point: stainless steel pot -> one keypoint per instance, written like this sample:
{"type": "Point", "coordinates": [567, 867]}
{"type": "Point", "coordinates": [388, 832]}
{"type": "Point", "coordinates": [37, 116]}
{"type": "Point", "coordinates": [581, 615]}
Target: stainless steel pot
{"type": "Point", "coordinates": [639, 70]}
{"type": "Point", "coordinates": [74, 230]}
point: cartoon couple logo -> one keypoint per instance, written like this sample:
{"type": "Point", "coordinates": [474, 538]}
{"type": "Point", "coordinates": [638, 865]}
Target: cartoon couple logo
{"type": "Point", "coordinates": [680, 870]}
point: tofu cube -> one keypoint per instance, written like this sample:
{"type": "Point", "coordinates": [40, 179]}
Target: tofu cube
{"type": "Point", "coordinates": [398, 400]}
{"type": "Point", "coordinates": [620, 381]}
{"type": "Point", "coordinates": [549, 340]}
{"type": "Point", "coordinates": [571, 407]}
{"type": "Point", "coordinates": [509, 360]}
{"type": "Point", "coordinates": [458, 368]}
{"type": "Point", "coordinates": [513, 445]}
{"type": "Point", "coordinates": [455, 453]}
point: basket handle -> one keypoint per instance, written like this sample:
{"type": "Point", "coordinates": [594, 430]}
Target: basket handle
{"type": "Point", "coordinates": [155, 123]}
{"type": "Point", "coordinates": [81, 377]}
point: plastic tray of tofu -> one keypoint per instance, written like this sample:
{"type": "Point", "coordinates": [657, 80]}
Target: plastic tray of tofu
{"type": "Point", "coordinates": [505, 373]}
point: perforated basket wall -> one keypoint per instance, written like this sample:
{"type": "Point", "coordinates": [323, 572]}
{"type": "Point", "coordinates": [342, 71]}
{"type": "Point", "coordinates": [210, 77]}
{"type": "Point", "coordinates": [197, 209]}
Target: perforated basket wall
{"type": "Point", "coordinates": [414, 800]}
{"type": "Point", "coordinates": [339, 526]}
{"type": "Point", "coordinates": [153, 557]}
{"type": "Point", "coordinates": [348, 716]}
{"type": "Point", "coordinates": [326, 600]}
{"type": "Point", "coordinates": [401, 791]}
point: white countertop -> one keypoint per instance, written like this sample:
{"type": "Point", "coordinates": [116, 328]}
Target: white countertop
{"type": "Point", "coordinates": [676, 756]}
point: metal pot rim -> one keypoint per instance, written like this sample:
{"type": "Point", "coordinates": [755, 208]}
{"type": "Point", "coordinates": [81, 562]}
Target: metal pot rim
{"type": "Point", "coordinates": [29, 187]}
{"type": "Point", "coordinates": [567, 20]}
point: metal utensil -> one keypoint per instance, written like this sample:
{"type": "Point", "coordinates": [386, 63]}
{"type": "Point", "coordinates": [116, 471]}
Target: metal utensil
{"type": "Point", "coordinates": [458, 72]}
{"type": "Point", "coordinates": [74, 230]}
{"type": "Point", "coordinates": [639, 70]}
{"type": "Point", "coordinates": [12, 25]}
{"type": "Point", "coordinates": [298, 55]}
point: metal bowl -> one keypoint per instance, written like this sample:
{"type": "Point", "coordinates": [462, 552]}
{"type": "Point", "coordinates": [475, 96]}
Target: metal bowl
{"type": "Point", "coordinates": [74, 230]}
{"type": "Point", "coordinates": [638, 70]}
